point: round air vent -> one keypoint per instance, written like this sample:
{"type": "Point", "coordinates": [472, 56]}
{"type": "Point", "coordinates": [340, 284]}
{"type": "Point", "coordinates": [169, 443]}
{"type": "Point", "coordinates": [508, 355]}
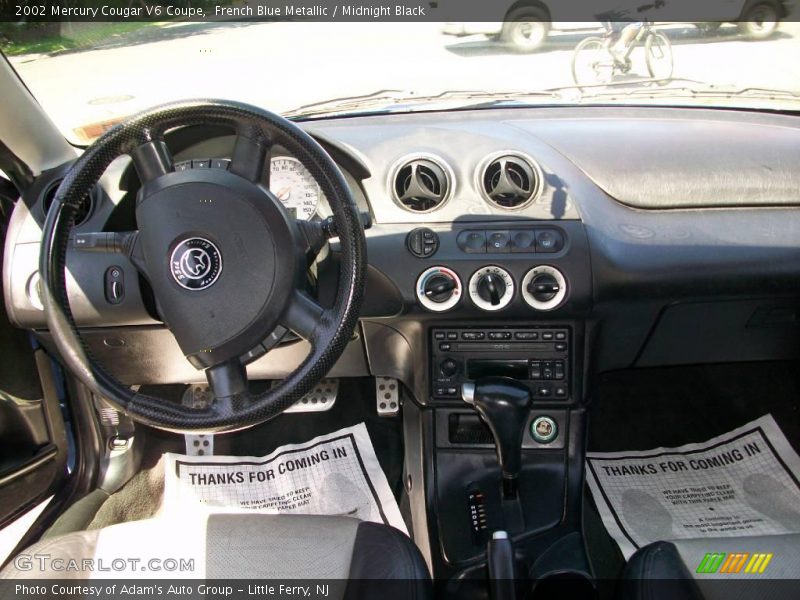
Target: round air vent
{"type": "Point", "coordinates": [421, 184]}
{"type": "Point", "coordinates": [510, 181]}
{"type": "Point", "coordinates": [82, 213]}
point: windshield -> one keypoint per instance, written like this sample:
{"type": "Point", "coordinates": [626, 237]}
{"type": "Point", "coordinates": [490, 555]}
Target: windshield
{"type": "Point", "coordinates": [89, 75]}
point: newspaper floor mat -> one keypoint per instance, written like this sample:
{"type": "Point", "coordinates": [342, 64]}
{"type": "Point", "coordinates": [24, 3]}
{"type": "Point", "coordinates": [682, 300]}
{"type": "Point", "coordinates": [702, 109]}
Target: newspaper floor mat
{"type": "Point", "coordinates": [333, 474]}
{"type": "Point", "coordinates": [742, 483]}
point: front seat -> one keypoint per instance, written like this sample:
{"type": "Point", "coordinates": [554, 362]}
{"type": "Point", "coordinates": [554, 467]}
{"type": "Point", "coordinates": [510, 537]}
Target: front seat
{"type": "Point", "coordinates": [348, 554]}
{"type": "Point", "coordinates": [738, 568]}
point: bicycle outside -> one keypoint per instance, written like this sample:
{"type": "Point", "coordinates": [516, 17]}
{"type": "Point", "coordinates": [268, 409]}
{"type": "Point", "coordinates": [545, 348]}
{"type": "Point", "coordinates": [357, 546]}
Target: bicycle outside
{"type": "Point", "coordinates": [594, 61]}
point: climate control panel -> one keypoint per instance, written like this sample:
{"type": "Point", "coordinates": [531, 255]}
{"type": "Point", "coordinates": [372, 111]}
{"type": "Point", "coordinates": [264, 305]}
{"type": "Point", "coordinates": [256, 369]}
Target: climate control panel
{"type": "Point", "coordinates": [491, 288]}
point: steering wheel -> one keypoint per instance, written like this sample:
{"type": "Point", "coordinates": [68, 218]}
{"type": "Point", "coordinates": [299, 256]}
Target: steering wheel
{"type": "Point", "coordinates": [226, 262]}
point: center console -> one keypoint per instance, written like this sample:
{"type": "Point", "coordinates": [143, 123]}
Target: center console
{"type": "Point", "coordinates": [520, 331]}
{"type": "Point", "coordinates": [538, 358]}
{"type": "Point", "coordinates": [497, 308]}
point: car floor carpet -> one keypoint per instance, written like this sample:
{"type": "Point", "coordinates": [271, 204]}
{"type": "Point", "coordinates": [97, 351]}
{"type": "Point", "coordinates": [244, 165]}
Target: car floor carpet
{"type": "Point", "coordinates": [141, 497]}
{"type": "Point", "coordinates": [641, 409]}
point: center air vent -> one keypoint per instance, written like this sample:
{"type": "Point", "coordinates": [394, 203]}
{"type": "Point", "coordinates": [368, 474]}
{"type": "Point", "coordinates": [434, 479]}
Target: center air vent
{"type": "Point", "coordinates": [510, 181]}
{"type": "Point", "coordinates": [421, 184]}
{"type": "Point", "coordinates": [80, 215]}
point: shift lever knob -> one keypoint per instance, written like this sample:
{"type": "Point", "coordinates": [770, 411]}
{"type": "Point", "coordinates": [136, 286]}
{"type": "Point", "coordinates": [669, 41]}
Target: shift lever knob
{"type": "Point", "coordinates": [503, 404]}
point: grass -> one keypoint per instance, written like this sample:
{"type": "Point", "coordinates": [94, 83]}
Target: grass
{"type": "Point", "coordinates": [38, 38]}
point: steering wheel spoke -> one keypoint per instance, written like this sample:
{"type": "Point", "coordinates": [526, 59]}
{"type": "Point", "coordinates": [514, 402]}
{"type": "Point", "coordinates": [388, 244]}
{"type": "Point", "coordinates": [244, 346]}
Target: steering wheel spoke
{"type": "Point", "coordinates": [303, 315]}
{"type": "Point", "coordinates": [152, 160]}
{"type": "Point", "coordinates": [227, 379]}
{"type": "Point", "coordinates": [251, 155]}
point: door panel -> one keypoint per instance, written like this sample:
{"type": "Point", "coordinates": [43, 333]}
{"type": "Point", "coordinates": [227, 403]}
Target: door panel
{"type": "Point", "coordinates": [33, 438]}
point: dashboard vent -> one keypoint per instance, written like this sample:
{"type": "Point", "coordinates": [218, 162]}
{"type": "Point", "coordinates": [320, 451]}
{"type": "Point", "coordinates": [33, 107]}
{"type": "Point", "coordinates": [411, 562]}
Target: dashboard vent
{"type": "Point", "coordinates": [510, 182]}
{"type": "Point", "coordinates": [421, 185]}
{"type": "Point", "coordinates": [82, 213]}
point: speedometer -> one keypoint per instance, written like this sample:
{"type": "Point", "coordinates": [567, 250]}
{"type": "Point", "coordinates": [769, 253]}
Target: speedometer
{"type": "Point", "coordinates": [294, 186]}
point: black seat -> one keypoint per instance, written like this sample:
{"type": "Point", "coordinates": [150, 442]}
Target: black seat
{"type": "Point", "coordinates": [717, 568]}
{"type": "Point", "coordinates": [360, 559]}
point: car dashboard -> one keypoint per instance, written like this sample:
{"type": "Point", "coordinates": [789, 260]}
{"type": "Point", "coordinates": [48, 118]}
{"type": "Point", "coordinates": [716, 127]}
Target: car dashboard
{"type": "Point", "coordinates": [546, 243]}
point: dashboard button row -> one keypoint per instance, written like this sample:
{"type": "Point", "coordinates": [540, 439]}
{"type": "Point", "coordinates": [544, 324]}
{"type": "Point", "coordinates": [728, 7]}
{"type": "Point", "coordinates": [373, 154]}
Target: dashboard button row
{"type": "Point", "coordinates": [203, 163]}
{"type": "Point", "coordinates": [505, 241]}
{"type": "Point", "coordinates": [559, 336]}
{"type": "Point", "coordinates": [473, 336]}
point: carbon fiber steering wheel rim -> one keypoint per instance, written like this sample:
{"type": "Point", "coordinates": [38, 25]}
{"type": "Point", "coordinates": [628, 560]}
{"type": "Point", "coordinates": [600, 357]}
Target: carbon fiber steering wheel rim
{"type": "Point", "coordinates": [142, 138]}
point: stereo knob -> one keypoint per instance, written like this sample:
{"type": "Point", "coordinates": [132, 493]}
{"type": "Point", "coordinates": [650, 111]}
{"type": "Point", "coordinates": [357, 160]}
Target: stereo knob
{"type": "Point", "coordinates": [544, 287]}
{"type": "Point", "coordinates": [448, 367]}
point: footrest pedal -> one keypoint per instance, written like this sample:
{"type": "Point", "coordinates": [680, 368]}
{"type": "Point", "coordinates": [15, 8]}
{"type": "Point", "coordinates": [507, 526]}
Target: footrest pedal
{"type": "Point", "coordinates": [387, 396]}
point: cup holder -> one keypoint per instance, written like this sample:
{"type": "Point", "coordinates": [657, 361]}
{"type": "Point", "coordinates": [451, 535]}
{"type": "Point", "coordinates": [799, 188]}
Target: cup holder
{"type": "Point", "coordinates": [557, 585]}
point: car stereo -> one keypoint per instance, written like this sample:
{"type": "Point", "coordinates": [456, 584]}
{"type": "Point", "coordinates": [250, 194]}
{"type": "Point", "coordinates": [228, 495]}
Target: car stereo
{"type": "Point", "coordinates": [536, 356]}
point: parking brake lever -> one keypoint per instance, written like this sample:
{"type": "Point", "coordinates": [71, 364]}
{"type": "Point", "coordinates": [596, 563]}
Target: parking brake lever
{"type": "Point", "coordinates": [500, 564]}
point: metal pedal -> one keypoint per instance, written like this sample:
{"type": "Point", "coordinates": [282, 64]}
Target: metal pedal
{"type": "Point", "coordinates": [198, 396]}
{"type": "Point", "coordinates": [320, 399]}
{"type": "Point", "coordinates": [387, 396]}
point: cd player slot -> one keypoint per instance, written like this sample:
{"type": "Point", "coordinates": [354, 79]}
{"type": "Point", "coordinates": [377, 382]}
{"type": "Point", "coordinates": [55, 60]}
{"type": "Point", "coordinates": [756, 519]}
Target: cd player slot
{"type": "Point", "coordinates": [477, 368]}
{"type": "Point", "coordinates": [495, 347]}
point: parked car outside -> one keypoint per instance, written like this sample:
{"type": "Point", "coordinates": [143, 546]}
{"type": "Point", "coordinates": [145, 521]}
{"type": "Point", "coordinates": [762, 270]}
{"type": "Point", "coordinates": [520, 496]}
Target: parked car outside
{"type": "Point", "coordinates": [527, 24]}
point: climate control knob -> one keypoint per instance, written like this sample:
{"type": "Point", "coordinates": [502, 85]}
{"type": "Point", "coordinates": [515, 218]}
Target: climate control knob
{"type": "Point", "coordinates": [544, 287]}
{"type": "Point", "coordinates": [438, 289]}
{"type": "Point", "coordinates": [491, 288]}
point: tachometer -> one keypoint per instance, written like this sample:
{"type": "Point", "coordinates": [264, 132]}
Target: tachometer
{"type": "Point", "coordinates": [294, 186]}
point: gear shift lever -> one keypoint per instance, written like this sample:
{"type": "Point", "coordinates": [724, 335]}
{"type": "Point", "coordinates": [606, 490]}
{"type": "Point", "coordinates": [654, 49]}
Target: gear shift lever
{"type": "Point", "coordinates": [503, 404]}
